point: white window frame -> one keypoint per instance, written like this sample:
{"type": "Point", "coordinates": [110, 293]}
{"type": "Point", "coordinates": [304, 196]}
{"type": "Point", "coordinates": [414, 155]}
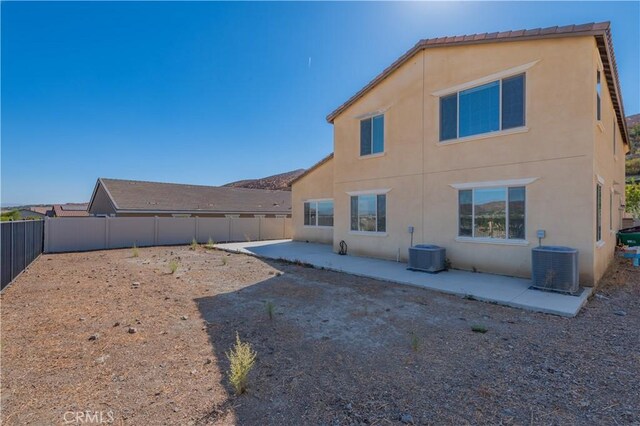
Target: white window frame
{"type": "Point", "coordinates": [515, 183]}
{"type": "Point", "coordinates": [511, 72]}
{"type": "Point", "coordinates": [374, 192]}
{"type": "Point", "coordinates": [599, 96]}
{"type": "Point", "coordinates": [316, 201]}
{"type": "Point", "coordinates": [599, 188]}
{"type": "Point", "coordinates": [384, 136]}
{"type": "Point", "coordinates": [500, 130]}
{"type": "Point", "coordinates": [611, 198]}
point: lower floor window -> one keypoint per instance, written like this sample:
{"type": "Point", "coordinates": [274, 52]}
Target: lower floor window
{"type": "Point", "coordinates": [492, 213]}
{"type": "Point", "coordinates": [318, 213]}
{"type": "Point", "coordinates": [369, 213]}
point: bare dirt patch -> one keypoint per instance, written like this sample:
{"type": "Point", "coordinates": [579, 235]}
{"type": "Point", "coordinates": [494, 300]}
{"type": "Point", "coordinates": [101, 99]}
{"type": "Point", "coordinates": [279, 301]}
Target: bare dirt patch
{"type": "Point", "coordinates": [105, 331]}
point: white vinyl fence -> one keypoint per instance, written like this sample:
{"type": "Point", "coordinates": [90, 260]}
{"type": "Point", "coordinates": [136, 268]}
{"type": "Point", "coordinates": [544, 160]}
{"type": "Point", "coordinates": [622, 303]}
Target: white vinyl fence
{"type": "Point", "coordinates": [65, 234]}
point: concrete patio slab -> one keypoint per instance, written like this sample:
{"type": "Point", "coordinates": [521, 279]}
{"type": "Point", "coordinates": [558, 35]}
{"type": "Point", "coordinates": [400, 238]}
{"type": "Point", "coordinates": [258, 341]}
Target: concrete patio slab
{"type": "Point", "coordinates": [503, 290]}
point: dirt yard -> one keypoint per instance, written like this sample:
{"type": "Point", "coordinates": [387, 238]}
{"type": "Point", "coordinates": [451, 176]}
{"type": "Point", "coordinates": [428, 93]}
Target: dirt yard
{"type": "Point", "coordinates": [120, 336]}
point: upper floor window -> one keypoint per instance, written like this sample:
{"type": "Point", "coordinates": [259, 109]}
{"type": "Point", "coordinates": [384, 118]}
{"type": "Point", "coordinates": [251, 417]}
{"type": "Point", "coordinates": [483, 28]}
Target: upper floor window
{"type": "Point", "coordinates": [598, 212]}
{"type": "Point", "coordinates": [372, 135]}
{"type": "Point", "coordinates": [598, 96]}
{"type": "Point", "coordinates": [496, 213]}
{"type": "Point", "coordinates": [369, 213]}
{"type": "Point", "coordinates": [499, 105]}
{"type": "Point", "coordinates": [614, 135]}
{"type": "Point", "coordinates": [318, 213]}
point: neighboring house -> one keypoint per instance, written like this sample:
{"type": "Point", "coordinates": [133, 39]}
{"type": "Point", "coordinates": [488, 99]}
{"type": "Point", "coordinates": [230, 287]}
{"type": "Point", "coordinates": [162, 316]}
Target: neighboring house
{"type": "Point", "coordinates": [33, 212]}
{"type": "Point", "coordinates": [41, 210]}
{"type": "Point", "coordinates": [115, 197]}
{"type": "Point", "coordinates": [69, 210]}
{"type": "Point", "coordinates": [476, 143]}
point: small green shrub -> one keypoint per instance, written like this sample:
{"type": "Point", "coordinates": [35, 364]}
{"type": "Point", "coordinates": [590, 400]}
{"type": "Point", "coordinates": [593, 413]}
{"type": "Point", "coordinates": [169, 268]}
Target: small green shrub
{"type": "Point", "coordinates": [173, 266]}
{"type": "Point", "coordinates": [477, 328]}
{"type": "Point", "coordinates": [194, 244]}
{"type": "Point", "coordinates": [10, 216]}
{"type": "Point", "coordinates": [134, 251]}
{"type": "Point", "coordinates": [270, 308]}
{"type": "Point", "coordinates": [242, 358]}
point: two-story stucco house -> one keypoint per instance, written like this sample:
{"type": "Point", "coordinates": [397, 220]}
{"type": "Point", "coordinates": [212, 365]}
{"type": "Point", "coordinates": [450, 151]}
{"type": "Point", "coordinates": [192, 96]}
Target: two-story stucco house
{"type": "Point", "coordinates": [476, 143]}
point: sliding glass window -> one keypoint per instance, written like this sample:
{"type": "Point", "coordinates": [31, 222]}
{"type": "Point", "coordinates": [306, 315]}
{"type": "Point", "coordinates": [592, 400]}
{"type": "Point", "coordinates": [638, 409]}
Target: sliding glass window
{"type": "Point", "coordinates": [491, 107]}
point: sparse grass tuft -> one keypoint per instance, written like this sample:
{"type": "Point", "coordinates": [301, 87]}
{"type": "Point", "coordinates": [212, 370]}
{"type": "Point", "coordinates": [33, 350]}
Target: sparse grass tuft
{"type": "Point", "coordinates": [194, 244]}
{"type": "Point", "coordinates": [210, 243]}
{"type": "Point", "coordinates": [477, 328]}
{"type": "Point", "coordinates": [270, 308]}
{"type": "Point", "coordinates": [173, 266]}
{"type": "Point", "coordinates": [242, 358]}
{"type": "Point", "coordinates": [134, 251]}
{"type": "Point", "coordinates": [415, 342]}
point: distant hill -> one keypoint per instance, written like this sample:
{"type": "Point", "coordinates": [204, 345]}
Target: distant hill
{"type": "Point", "coordinates": [633, 159]}
{"type": "Point", "coordinates": [281, 181]}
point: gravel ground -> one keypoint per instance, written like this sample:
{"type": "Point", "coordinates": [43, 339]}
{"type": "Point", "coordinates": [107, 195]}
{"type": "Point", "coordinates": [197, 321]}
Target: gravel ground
{"type": "Point", "coordinates": [106, 332]}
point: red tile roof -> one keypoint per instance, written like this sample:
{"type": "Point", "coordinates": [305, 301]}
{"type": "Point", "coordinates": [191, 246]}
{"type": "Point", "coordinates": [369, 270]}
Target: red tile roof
{"type": "Point", "coordinates": [601, 31]}
{"type": "Point", "coordinates": [70, 210]}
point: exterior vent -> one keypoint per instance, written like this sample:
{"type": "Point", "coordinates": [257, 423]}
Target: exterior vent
{"type": "Point", "coordinates": [555, 269]}
{"type": "Point", "coordinates": [427, 258]}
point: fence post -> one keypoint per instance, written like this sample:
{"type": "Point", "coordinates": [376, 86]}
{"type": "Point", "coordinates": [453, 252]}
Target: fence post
{"type": "Point", "coordinates": [106, 232]}
{"type": "Point", "coordinates": [155, 230]}
{"type": "Point", "coordinates": [25, 245]}
{"type": "Point", "coordinates": [12, 251]}
{"type": "Point", "coordinates": [196, 225]}
{"type": "Point", "coordinates": [45, 247]}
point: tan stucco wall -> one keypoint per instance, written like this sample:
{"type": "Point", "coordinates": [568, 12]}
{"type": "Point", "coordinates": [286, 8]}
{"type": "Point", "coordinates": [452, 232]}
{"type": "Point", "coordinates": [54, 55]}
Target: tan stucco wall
{"type": "Point", "coordinates": [557, 149]}
{"type": "Point", "coordinates": [317, 184]}
{"type": "Point", "coordinates": [610, 168]}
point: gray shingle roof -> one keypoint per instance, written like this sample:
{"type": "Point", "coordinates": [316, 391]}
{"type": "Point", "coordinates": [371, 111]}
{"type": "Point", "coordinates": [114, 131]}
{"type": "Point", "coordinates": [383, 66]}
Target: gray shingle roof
{"type": "Point", "coordinates": [171, 197]}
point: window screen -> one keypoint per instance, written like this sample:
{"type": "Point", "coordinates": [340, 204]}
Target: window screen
{"type": "Point", "coordinates": [449, 117]}
{"type": "Point", "coordinates": [479, 110]}
{"type": "Point", "coordinates": [513, 102]}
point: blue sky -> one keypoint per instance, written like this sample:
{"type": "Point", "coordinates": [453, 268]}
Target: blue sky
{"type": "Point", "coordinates": [208, 93]}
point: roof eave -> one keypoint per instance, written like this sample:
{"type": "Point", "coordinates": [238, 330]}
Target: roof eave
{"type": "Point", "coordinates": [312, 168]}
{"type": "Point", "coordinates": [602, 31]}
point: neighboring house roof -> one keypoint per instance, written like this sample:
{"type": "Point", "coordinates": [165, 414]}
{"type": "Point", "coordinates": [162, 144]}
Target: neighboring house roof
{"type": "Point", "coordinates": [601, 31]}
{"type": "Point", "coordinates": [24, 213]}
{"type": "Point", "coordinates": [70, 210]}
{"type": "Point", "coordinates": [141, 196]}
{"type": "Point", "coordinates": [40, 209]}
{"type": "Point", "coordinates": [312, 168]}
